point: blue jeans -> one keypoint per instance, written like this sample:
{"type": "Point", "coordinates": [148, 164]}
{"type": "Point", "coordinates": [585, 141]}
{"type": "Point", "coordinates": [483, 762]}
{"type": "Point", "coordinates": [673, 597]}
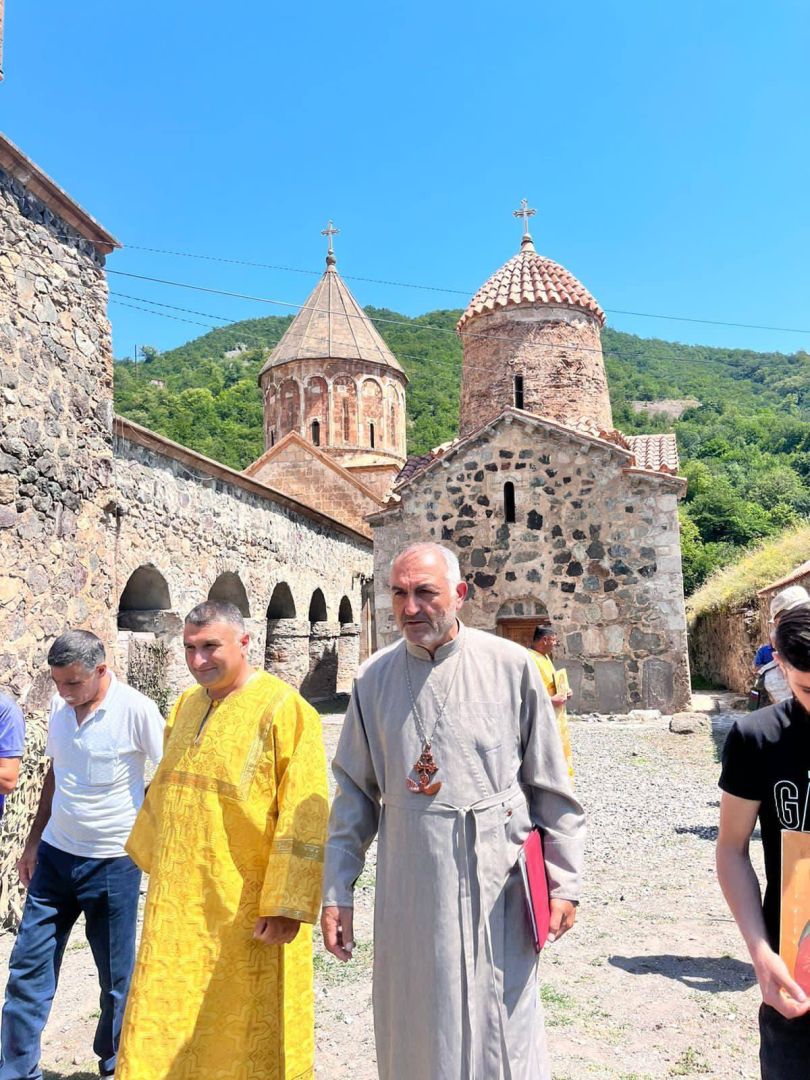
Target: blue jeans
{"type": "Point", "coordinates": [63, 887]}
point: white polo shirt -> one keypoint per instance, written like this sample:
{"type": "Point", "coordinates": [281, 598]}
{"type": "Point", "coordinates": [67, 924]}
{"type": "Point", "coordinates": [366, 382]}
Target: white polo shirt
{"type": "Point", "coordinates": [99, 770]}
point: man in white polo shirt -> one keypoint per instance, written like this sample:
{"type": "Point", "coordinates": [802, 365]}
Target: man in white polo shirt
{"type": "Point", "coordinates": [100, 733]}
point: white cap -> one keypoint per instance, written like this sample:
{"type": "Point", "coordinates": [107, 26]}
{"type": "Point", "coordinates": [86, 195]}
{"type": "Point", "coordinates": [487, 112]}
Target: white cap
{"type": "Point", "coordinates": [792, 597]}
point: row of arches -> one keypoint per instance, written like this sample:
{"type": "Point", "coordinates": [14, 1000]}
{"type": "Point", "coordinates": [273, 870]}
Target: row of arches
{"type": "Point", "coordinates": [306, 648]}
{"type": "Point", "coordinates": [147, 590]}
{"type": "Point", "coordinates": [337, 412]}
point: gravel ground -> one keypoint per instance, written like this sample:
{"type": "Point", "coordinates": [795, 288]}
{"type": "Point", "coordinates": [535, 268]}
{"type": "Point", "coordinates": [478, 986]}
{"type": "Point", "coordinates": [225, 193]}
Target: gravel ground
{"type": "Point", "coordinates": [652, 982]}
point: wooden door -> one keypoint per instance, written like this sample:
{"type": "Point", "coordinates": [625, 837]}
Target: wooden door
{"type": "Point", "coordinates": [520, 629]}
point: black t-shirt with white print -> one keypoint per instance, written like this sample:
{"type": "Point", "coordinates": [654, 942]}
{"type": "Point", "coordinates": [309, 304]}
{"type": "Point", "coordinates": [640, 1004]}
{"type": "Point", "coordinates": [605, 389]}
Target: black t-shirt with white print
{"type": "Point", "coordinates": [766, 758]}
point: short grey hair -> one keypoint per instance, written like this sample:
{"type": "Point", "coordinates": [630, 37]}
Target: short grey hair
{"type": "Point", "coordinates": [216, 611]}
{"type": "Point", "coordinates": [77, 647]}
{"type": "Point", "coordinates": [450, 558]}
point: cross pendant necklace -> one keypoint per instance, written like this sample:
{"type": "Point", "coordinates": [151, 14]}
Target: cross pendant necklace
{"type": "Point", "coordinates": [426, 767]}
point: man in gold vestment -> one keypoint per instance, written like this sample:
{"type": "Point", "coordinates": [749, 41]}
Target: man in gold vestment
{"type": "Point", "coordinates": [231, 834]}
{"type": "Point", "coordinates": [543, 644]}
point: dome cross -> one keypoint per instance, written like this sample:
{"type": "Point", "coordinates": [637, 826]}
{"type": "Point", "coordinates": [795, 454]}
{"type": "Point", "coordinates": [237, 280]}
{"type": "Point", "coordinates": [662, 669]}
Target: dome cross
{"type": "Point", "coordinates": [329, 232]}
{"type": "Point", "coordinates": [525, 212]}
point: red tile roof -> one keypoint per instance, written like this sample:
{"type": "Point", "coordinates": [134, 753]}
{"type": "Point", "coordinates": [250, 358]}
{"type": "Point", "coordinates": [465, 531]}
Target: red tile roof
{"type": "Point", "coordinates": [530, 278]}
{"type": "Point", "coordinates": [657, 453]}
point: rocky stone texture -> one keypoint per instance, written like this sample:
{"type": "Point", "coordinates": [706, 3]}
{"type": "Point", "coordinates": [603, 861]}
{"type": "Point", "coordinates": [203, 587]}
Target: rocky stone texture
{"type": "Point", "coordinates": [722, 645]}
{"type": "Point", "coordinates": [555, 350]}
{"type": "Point", "coordinates": [195, 530]}
{"type": "Point", "coordinates": [689, 723]}
{"type": "Point", "coordinates": [56, 565]}
{"type": "Point", "coordinates": [594, 545]}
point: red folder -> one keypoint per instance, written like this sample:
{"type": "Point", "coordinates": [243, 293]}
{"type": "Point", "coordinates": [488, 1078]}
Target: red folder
{"type": "Point", "coordinates": [535, 887]}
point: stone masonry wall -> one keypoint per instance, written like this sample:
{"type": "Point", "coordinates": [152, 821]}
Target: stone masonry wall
{"type": "Point", "coordinates": [556, 350]}
{"type": "Point", "coordinates": [722, 645]}
{"type": "Point", "coordinates": [55, 468]}
{"type": "Point", "coordinates": [598, 547]}
{"type": "Point", "coordinates": [192, 528]}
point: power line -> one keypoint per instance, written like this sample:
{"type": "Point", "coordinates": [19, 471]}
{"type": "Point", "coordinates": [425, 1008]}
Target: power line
{"type": "Point", "coordinates": [455, 292]}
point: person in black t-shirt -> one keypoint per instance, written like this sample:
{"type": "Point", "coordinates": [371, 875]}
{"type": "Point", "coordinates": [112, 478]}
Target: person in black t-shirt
{"type": "Point", "coordinates": [766, 775]}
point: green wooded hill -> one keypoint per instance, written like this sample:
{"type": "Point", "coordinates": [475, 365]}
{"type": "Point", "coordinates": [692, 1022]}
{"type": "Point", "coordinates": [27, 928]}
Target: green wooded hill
{"type": "Point", "coordinates": [745, 449]}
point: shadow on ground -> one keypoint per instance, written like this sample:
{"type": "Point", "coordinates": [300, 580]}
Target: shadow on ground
{"type": "Point", "coordinates": [49, 1074]}
{"type": "Point", "coordinates": [710, 973]}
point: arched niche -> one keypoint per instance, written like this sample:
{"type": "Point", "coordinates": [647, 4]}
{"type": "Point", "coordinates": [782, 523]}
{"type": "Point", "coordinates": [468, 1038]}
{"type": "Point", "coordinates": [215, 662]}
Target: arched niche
{"type": "Point", "coordinates": [345, 611]}
{"type": "Point", "coordinates": [289, 406]}
{"type": "Point", "coordinates": [317, 607]}
{"type": "Point", "coordinates": [146, 590]}
{"type": "Point", "coordinates": [145, 604]}
{"type": "Point", "coordinates": [282, 605]}
{"type": "Point", "coordinates": [371, 413]}
{"type": "Point", "coordinates": [228, 589]}
{"type": "Point", "coordinates": [344, 411]}
{"type": "Point", "coordinates": [316, 409]}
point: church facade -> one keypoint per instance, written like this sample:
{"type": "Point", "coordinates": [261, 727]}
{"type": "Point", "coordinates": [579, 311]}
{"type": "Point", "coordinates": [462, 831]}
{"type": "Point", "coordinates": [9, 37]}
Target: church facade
{"type": "Point", "coordinates": [556, 517]}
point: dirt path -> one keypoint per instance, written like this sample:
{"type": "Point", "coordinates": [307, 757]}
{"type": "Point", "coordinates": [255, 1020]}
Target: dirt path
{"type": "Point", "coordinates": [653, 982]}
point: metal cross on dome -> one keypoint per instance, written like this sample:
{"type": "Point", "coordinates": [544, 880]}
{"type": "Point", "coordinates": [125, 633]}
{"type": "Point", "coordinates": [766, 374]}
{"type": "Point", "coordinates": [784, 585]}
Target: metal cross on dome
{"type": "Point", "coordinates": [329, 232]}
{"type": "Point", "coordinates": [524, 212]}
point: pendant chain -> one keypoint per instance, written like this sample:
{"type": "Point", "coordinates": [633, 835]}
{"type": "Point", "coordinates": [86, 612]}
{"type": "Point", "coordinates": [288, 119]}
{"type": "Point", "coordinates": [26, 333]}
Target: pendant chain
{"type": "Point", "coordinates": [417, 716]}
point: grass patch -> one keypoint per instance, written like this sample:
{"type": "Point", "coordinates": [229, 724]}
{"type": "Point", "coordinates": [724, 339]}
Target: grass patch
{"type": "Point", "coordinates": [704, 686]}
{"type": "Point", "coordinates": [738, 583]}
{"type": "Point", "coordinates": [330, 972]}
{"type": "Point", "coordinates": [690, 1063]}
{"type": "Point", "coordinates": [560, 1007]}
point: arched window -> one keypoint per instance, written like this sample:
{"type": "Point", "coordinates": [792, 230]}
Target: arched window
{"type": "Point", "coordinates": [371, 435]}
{"type": "Point", "coordinates": [518, 391]}
{"type": "Point", "coordinates": [509, 502]}
{"type": "Point", "coordinates": [316, 433]}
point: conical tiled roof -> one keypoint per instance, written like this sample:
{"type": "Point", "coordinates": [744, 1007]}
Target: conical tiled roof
{"type": "Point", "coordinates": [331, 324]}
{"type": "Point", "coordinates": [529, 278]}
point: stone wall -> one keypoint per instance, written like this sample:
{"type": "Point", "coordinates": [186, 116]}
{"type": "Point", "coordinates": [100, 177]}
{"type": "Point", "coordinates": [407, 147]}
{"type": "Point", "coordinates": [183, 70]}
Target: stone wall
{"type": "Point", "coordinates": [595, 544]}
{"type": "Point", "coordinates": [722, 645]}
{"type": "Point", "coordinates": [55, 468]}
{"type": "Point", "coordinates": [556, 351]}
{"type": "Point", "coordinates": [196, 525]}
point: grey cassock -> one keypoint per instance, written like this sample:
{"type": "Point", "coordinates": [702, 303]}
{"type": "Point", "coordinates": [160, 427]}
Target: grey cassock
{"type": "Point", "coordinates": [455, 972]}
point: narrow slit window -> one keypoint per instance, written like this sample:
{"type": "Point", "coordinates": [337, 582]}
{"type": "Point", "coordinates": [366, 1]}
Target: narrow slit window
{"type": "Point", "coordinates": [518, 391]}
{"type": "Point", "coordinates": [316, 433]}
{"type": "Point", "coordinates": [371, 435]}
{"type": "Point", "coordinates": [345, 421]}
{"type": "Point", "coordinates": [393, 423]}
{"type": "Point", "coordinates": [509, 502]}
{"type": "Point", "coordinates": [272, 437]}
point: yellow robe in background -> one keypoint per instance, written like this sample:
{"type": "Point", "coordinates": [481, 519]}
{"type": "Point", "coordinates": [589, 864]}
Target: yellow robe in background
{"type": "Point", "coordinates": [548, 674]}
{"type": "Point", "coordinates": [233, 827]}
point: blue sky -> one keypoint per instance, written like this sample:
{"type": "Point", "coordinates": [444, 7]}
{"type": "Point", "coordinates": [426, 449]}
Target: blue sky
{"type": "Point", "coordinates": [664, 146]}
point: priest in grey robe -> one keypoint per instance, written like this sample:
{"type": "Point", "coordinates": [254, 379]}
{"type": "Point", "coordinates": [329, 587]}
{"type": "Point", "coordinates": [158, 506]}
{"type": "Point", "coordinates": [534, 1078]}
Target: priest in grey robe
{"type": "Point", "coordinates": [450, 754]}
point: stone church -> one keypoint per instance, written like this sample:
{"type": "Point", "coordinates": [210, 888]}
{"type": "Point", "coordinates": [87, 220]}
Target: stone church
{"type": "Point", "coordinates": [556, 516]}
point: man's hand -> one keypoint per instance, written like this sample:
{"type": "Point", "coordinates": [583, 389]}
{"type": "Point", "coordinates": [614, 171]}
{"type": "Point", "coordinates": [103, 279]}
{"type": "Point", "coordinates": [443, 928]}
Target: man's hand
{"type": "Point", "coordinates": [275, 929]}
{"type": "Point", "coordinates": [337, 927]}
{"type": "Point", "coordinates": [778, 989]}
{"type": "Point", "coordinates": [559, 699]}
{"type": "Point", "coordinates": [563, 916]}
{"type": "Point", "coordinates": [26, 864]}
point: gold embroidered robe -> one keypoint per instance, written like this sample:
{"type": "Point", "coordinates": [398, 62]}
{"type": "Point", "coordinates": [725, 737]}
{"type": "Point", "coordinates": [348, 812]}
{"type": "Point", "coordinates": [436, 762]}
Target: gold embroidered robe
{"type": "Point", "coordinates": [232, 828]}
